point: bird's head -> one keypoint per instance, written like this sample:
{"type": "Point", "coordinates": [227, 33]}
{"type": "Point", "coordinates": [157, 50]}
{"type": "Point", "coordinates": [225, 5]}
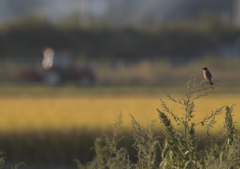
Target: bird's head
{"type": "Point", "coordinates": [205, 68]}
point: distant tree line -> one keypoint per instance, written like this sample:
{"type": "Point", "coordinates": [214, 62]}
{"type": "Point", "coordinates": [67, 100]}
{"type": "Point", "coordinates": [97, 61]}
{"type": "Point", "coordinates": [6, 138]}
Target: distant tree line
{"type": "Point", "coordinates": [27, 38]}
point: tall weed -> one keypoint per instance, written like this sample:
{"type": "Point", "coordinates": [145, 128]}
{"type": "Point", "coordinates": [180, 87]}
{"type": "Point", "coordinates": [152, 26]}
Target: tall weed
{"type": "Point", "coordinates": [180, 148]}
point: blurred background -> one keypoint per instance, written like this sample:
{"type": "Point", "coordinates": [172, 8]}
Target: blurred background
{"type": "Point", "coordinates": [119, 42]}
{"type": "Point", "coordinates": [68, 67]}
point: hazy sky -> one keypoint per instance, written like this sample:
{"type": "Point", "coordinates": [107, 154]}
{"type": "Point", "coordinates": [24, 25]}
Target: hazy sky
{"type": "Point", "coordinates": [122, 11]}
{"type": "Point", "coordinates": [52, 9]}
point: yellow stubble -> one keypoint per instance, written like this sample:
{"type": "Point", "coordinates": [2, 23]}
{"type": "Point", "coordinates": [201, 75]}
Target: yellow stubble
{"type": "Point", "coordinates": [66, 113]}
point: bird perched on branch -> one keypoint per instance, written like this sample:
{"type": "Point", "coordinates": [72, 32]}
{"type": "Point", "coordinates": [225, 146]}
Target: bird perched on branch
{"type": "Point", "coordinates": [207, 75]}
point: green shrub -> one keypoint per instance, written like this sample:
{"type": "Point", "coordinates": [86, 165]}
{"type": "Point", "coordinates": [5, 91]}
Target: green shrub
{"type": "Point", "coordinates": [179, 149]}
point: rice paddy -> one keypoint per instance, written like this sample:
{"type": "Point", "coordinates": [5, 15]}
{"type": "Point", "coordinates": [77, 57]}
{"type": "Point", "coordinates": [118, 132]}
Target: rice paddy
{"type": "Point", "coordinates": [36, 122]}
{"type": "Point", "coordinates": [65, 113]}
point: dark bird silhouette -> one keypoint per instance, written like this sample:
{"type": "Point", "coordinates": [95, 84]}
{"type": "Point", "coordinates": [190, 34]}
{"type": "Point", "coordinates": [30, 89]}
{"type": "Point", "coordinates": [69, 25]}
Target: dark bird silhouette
{"type": "Point", "coordinates": [207, 75]}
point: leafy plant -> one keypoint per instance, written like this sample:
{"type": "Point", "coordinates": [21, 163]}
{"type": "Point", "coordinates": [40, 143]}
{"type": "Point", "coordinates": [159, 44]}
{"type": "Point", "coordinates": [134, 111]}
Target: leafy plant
{"type": "Point", "coordinates": [108, 155]}
{"type": "Point", "coordinates": [180, 148]}
{"type": "Point", "coordinates": [146, 144]}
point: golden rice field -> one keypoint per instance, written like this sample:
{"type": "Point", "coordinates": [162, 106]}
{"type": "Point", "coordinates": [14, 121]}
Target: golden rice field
{"type": "Point", "coordinates": [96, 112]}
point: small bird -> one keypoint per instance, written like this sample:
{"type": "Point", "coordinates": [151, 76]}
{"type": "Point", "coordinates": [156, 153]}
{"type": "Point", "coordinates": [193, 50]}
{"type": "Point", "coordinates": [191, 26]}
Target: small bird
{"type": "Point", "coordinates": [207, 75]}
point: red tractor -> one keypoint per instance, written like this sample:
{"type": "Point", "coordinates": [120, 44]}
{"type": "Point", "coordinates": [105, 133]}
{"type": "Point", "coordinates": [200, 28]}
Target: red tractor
{"type": "Point", "coordinates": [57, 68]}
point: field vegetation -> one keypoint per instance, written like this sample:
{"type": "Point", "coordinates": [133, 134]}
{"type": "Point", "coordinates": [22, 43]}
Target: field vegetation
{"type": "Point", "coordinates": [44, 127]}
{"type": "Point", "coordinates": [52, 126]}
{"type": "Point", "coordinates": [144, 73]}
{"type": "Point", "coordinates": [181, 146]}
{"type": "Point", "coordinates": [67, 112]}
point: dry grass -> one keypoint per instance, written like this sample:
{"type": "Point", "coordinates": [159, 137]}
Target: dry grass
{"type": "Point", "coordinates": [166, 73]}
{"type": "Point", "coordinates": [67, 113]}
{"type": "Point", "coordinates": [159, 72]}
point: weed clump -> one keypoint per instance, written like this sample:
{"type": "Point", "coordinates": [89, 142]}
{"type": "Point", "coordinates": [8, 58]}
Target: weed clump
{"type": "Point", "coordinates": [180, 148]}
